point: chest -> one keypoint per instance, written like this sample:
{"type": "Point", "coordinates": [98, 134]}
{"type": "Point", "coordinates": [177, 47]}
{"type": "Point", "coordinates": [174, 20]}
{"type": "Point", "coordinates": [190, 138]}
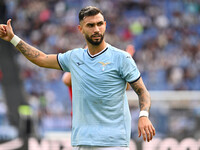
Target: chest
{"type": "Point", "coordinates": [99, 70]}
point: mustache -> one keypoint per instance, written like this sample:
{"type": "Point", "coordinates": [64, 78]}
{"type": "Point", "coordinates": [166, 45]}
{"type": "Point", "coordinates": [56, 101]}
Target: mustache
{"type": "Point", "coordinates": [96, 35]}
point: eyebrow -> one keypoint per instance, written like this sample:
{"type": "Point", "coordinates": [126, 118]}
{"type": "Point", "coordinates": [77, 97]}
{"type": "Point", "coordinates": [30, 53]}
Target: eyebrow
{"type": "Point", "coordinates": [94, 23]}
{"type": "Point", "coordinates": [90, 24]}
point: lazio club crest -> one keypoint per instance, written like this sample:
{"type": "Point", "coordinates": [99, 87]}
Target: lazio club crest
{"type": "Point", "coordinates": [104, 65]}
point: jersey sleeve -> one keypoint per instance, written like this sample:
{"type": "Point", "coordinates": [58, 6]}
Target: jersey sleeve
{"type": "Point", "coordinates": [129, 69]}
{"type": "Point", "coordinates": [64, 61]}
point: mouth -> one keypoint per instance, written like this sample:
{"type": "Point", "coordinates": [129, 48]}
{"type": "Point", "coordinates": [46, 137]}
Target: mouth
{"type": "Point", "coordinates": [96, 37]}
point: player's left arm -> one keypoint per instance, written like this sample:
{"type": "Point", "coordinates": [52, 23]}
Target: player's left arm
{"type": "Point", "coordinates": [145, 127]}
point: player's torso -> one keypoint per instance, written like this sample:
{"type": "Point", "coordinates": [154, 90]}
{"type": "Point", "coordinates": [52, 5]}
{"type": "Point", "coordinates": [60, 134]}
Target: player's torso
{"type": "Point", "coordinates": [98, 99]}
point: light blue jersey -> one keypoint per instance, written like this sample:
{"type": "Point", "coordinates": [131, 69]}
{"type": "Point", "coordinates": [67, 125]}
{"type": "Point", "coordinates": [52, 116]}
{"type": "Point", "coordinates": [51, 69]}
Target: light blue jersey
{"type": "Point", "coordinates": [101, 115]}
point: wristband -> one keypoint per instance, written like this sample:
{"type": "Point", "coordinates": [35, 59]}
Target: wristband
{"type": "Point", "coordinates": [144, 114]}
{"type": "Point", "coordinates": [15, 40]}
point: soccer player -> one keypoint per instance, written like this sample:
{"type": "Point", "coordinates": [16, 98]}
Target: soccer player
{"type": "Point", "coordinates": [101, 116]}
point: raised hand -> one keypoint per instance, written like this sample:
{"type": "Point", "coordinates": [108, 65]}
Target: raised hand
{"type": "Point", "coordinates": [6, 31]}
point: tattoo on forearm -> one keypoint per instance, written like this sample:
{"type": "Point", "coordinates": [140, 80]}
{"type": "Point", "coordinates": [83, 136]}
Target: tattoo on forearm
{"type": "Point", "coordinates": [27, 50]}
{"type": "Point", "coordinates": [144, 103]}
{"type": "Point", "coordinates": [143, 94]}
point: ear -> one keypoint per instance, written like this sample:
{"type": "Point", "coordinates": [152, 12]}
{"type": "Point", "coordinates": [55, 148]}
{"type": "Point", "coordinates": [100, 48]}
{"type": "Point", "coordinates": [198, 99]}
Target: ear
{"type": "Point", "coordinates": [80, 29]}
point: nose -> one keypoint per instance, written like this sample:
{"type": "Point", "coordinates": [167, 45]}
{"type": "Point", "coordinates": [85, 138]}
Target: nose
{"type": "Point", "coordinates": [96, 29]}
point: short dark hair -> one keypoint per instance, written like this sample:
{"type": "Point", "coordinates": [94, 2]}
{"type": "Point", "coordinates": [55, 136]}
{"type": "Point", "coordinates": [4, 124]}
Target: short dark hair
{"type": "Point", "coordinates": [89, 11]}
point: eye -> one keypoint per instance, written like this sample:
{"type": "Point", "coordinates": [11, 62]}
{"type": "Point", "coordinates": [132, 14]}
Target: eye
{"type": "Point", "coordinates": [99, 23]}
{"type": "Point", "coordinates": [90, 25]}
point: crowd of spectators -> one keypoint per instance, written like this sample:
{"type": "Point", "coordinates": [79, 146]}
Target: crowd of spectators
{"type": "Point", "coordinates": [165, 34]}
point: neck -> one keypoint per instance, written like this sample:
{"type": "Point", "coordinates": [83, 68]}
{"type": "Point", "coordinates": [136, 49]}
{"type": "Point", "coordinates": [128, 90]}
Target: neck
{"type": "Point", "coordinates": [93, 49]}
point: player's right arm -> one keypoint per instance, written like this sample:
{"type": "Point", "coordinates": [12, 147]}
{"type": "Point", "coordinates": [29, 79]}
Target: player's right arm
{"type": "Point", "coordinates": [31, 53]}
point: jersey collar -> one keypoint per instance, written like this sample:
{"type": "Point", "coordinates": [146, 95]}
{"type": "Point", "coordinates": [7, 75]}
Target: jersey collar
{"type": "Point", "coordinates": [99, 53]}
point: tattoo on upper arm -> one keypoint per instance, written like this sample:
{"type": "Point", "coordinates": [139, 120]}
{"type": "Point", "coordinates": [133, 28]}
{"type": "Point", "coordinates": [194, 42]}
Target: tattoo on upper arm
{"type": "Point", "coordinates": [27, 50]}
{"type": "Point", "coordinates": [143, 94]}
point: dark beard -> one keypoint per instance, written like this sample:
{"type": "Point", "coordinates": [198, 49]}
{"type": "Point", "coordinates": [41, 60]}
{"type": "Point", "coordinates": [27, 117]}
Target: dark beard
{"type": "Point", "coordinates": [94, 42]}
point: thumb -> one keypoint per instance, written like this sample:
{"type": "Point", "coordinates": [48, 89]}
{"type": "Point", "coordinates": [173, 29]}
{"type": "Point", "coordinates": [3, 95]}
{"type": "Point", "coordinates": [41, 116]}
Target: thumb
{"type": "Point", "coordinates": [9, 29]}
{"type": "Point", "coordinates": [9, 23]}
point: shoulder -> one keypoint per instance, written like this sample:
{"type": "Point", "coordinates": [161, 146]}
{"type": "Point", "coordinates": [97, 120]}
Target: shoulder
{"type": "Point", "coordinates": [71, 53]}
{"type": "Point", "coordinates": [118, 52]}
{"type": "Point", "coordinates": [76, 51]}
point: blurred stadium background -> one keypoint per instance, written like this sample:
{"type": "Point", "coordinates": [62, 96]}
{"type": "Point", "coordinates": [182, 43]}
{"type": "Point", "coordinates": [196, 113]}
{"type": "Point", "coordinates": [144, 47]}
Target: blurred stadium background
{"type": "Point", "coordinates": [34, 103]}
